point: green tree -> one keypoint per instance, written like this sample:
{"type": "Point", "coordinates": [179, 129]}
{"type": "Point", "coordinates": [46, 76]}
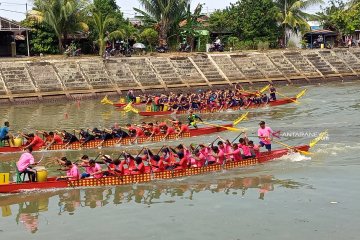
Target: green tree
{"type": "Point", "coordinates": [101, 23]}
{"type": "Point", "coordinates": [162, 15]}
{"type": "Point", "coordinates": [63, 16]}
{"type": "Point", "coordinates": [42, 38]}
{"type": "Point", "coordinates": [149, 36]}
{"type": "Point", "coordinates": [291, 14]}
{"type": "Point", "coordinates": [254, 20]}
{"type": "Point", "coordinates": [191, 24]}
{"type": "Point", "coordinates": [220, 21]}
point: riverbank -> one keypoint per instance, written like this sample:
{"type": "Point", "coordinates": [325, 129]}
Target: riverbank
{"type": "Point", "coordinates": [57, 78]}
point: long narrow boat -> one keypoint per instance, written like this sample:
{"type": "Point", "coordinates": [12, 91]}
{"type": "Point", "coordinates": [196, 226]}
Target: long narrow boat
{"type": "Point", "coordinates": [147, 177]}
{"type": "Point", "coordinates": [116, 142]}
{"type": "Point", "coordinates": [120, 105]}
{"type": "Point", "coordinates": [208, 110]}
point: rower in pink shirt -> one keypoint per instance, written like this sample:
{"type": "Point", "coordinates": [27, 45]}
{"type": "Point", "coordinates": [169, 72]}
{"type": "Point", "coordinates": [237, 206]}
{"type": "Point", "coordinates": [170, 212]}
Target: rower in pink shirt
{"type": "Point", "coordinates": [265, 135]}
{"type": "Point", "coordinates": [92, 169]}
{"type": "Point", "coordinates": [218, 154]}
{"type": "Point", "coordinates": [236, 153]}
{"type": "Point", "coordinates": [246, 153]}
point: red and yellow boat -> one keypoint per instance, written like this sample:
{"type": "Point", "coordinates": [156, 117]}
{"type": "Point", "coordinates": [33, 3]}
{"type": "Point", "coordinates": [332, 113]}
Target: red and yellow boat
{"type": "Point", "coordinates": [116, 142]}
{"type": "Point", "coordinates": [52, 183]}
{"type": "Point", "coordinates": [215, 110]}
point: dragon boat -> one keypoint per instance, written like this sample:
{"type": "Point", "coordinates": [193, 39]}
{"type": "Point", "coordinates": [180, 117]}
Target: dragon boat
{"type": "Point", "coordinates": [116, 142]}
{"type": "Point", "coordinates": [52, 183]}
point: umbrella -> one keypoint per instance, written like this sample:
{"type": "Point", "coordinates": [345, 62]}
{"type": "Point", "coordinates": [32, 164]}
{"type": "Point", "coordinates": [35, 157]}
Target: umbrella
{"type": "Point", "coordinates": [139, 45]}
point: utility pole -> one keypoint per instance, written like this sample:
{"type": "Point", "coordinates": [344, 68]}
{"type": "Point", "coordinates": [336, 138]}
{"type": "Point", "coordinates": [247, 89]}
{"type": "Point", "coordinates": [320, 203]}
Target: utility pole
{"type": "Point", "coordinates": [27, 33]}
{"type": "Point", "coordinates": [285, 6]}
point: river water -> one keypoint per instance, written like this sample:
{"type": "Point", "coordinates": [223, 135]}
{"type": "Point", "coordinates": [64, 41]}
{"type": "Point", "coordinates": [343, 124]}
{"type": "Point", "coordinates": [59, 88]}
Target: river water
{"type": "Point", "coordinates": [295, 197]}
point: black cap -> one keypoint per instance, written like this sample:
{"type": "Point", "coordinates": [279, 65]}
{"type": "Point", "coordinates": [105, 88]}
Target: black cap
{"type": "Point", "coordinates": [261, 123]}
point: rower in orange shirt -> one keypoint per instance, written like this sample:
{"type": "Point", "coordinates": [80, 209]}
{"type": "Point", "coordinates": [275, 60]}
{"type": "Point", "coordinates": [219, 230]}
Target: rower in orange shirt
{"type": "Point", "coordinates": [183, 129]}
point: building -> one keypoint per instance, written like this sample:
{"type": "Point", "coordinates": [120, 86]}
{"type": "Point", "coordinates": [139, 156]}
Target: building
{"type": "Point", "coordinates": [11, 36]}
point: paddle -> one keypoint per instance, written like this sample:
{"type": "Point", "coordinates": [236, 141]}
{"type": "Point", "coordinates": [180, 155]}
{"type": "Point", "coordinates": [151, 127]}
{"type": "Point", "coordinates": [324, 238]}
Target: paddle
{"type": "Point", "coordinates": [220, 126]}
{"type": "Point", "coordinates": [105, 100]}
{"type": "Point", "coordinates": [320, 137]}
{"type": "Point", "coordinates": [237, 137]}
{"type": "Point", "coordinates": [292, 148]}
{"type": "Point", "coordinates": [208, 145]}
{"type": "Point", "coordinates": [241, 118]}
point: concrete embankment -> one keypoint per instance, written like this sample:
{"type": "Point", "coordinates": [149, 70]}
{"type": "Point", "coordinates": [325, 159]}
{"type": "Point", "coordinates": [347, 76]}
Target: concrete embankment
{"type": "Point", "coordinates": [42, 79]}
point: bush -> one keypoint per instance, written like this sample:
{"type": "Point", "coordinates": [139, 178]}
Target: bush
{"type": "Point", "coordinates": [263, 45]}
{"type": "Point", "coordinates": [291, 44]}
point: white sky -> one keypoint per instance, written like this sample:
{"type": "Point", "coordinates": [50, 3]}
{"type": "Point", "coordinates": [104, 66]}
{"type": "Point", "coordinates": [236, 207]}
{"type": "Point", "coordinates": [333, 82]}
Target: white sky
{"type": "Point", "coordinates": [15, 9]}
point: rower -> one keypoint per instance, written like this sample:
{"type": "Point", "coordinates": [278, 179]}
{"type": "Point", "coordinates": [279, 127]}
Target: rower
{"type": "Point", "coordinates": [192, 119]}
{"type": "Point", "coordinates": [25, 163]}
{"type": "Point", "coordinates": [5, 135]}
{"type": "Point", "coordinates": [200, 158]}
{"type": "Point", "coordinates": [182, 164]}
{"type": "Point", "coordinates": [85, 137]}
{"type": "Point", "coordinates": [272, 93]}
{"type": "Point", "coordinates": [265, 134]}
{"type": "Point", "coordinates": [218, 154]}
{"type": "Point", "coordinates": [72, 171]}
{"type": "Point", "coordinates": [35, 141]}
{"type": "Point", "coordinates": [243, 145]}
{"type": "Point", "coordinates": [169, 130]}
{"type": "Point", "coordinates": [156, 162]}
{"type": "Point", "coordinates": [69, 138]}
{"type": "Point", "coordinates": [236, 153]}
{"type": "Point", "coordinates": [140, 167]}
{"type": "Point", "coordinates": [55, 139]}
{"type": "Point", "coordinates": [92, 169]}
{"type": "Point", "coordinates": [183, 129]}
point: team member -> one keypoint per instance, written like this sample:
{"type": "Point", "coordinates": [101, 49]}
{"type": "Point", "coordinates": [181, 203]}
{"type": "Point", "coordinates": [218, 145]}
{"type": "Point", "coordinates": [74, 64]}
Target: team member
{"type": "Point", "coordinates": [72, 171]}
{"type": "Point", "coordinates": [4, 133]}
{"type": "Point", "coordinates": [35, 141]}
{"type": "Point", "coordinates": [192, 119]}
{"type": "Point", "coordinates": [265, 134]}
{"type": "Point", "coordinates": [272, 93]}
{"type": "Point", "coordinates": [92, 169]}
{"type": "Point", "coordinates": [24, 165]}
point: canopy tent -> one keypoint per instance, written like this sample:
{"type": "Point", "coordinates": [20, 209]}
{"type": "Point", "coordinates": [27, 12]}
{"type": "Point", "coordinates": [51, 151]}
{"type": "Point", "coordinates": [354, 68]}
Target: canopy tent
{"type": "Point", "coordinates": [9, 28]}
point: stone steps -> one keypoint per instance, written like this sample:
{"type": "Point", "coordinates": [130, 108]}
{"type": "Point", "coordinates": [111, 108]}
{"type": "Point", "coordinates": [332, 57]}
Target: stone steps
{"type": "Point", "coordinates": [143, 72]}
{"type": "Point", "coordinates": [95, 74]}
{"type": "Point", "coordinates": [283, 64]}
{"type": "Point", "coordinates": [247, 67]}
{"type": "Point", "coordinates": [319, 63]}
{"type": "Point", "coordinates": [335, 61]}
{"type": "Point", "coordinates": [120, 73]}
{"type": "Point", "coordinates": [16, 77]}
{"type": "Point", "coordinates": [70, 75]}
{"type": "Point", "coordinates": [186, 70]}
{"type": "Point", "coordinates": [166, 71]}
{"type": "Point", "coordinates": [45, 75]}
{"type": "Point", "coordinates": [207, 68]}
{"type": "Point", "coordinates": [228, 68]}
{"type": "Point", "coordinates": [265, 65]}
{"type": "Point", "coordinates": [351, 57]}
{"type": "Point", "coordinates": [301, 64]}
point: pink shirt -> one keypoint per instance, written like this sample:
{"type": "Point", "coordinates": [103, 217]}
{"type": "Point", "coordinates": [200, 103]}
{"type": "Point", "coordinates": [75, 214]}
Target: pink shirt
{"type": "Point", "coordinates": [94, 169]}
{"type": "Point", "coordinates": [226, 149]}
{"type": "Point", "coordinates": [237, 155]}
{"type": "Point", "coordinates": [73, 173]}
{"type": "Point", "coordinates": [264, 134]}
{"type": "Point", "coordinates": [24, 162]}
{"type": "Point", "coordinates": [221, 157]}
{"type": "Point", "coordinates": [245, 149]}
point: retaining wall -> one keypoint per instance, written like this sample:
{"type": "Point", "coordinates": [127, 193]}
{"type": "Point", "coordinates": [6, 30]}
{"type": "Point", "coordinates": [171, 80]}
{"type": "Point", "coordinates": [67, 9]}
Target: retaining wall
{"type": "Point", "coordinates": [41, 79]}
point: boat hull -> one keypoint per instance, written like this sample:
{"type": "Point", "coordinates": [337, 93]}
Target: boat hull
{"type": "Point", "coordinates": [125, 141]}
{"type": "Point", "coordinates": [251, 106]}
{"type": "Point", "coordinates": [147, 177]}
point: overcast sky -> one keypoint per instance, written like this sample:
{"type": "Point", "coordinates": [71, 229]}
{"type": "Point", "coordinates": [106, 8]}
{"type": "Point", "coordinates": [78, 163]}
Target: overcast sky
{"type": "Point", "coordinates": [15, 9]}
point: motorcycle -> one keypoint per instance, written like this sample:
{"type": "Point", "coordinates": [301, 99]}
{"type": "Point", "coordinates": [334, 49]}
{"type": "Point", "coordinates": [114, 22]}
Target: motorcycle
{"type": "Point", "coordinates": [162, 49]}
{"type": "Point", "coordinates": [184, 47]}
{"type": "Point", "coordinates": [216, 48]}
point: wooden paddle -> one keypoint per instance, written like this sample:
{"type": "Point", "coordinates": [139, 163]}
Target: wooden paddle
{"type": "Point", "coordinates": [220, 126]}
{"type": "Point", "coordinates": [322, 136]}
{"type": "Point", "coordinates": [292, 148]}
{"type": "Point", "coordinates": [241, 118]}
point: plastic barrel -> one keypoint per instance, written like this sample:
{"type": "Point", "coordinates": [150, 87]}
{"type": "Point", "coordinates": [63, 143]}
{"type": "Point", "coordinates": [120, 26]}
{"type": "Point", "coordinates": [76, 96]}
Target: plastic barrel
{"type": "Point", "coordinates": [166, 107]}
{"type": "Point", "coordinates": [138, 99]}
{"type": "Point", "coordinates": [122, 100]}
{"type": "Point", "coordinates": [17, 142]}
{"type": "Point", "coordinates": [41, 175]}
{"type": "Point", "coordinates": [148, 108]}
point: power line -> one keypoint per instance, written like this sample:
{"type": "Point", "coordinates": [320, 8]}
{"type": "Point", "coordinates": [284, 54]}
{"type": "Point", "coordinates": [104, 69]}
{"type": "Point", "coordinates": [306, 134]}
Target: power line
{"type": "Point", "coordinates": [7, 10]}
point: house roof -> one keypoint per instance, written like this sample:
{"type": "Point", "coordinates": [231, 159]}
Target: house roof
{"type": "Point", "coordinates": [321, 32]}
{"type": "Point", "coordinates": [10, 25]}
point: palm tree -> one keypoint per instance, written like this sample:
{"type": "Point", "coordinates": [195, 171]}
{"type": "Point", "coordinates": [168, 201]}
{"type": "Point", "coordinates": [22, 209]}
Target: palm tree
{"type": "Point", "coordinates": [101, 23]}
{"type": "Point", "coordinates": [291, 14]}
{"type": "Point", "coordinates": [61, 15]}
{"type": "Point", "coordinates": [162, 14]}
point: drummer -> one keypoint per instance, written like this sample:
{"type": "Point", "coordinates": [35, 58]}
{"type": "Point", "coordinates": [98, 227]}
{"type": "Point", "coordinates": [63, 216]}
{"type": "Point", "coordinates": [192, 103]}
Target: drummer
{"type": "Point", "coordinates": [25, 163]}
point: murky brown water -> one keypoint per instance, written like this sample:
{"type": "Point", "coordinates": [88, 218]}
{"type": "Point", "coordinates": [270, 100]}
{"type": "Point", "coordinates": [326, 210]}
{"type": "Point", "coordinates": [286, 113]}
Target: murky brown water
{"type": "Point", "coordinates": [294, 197]}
